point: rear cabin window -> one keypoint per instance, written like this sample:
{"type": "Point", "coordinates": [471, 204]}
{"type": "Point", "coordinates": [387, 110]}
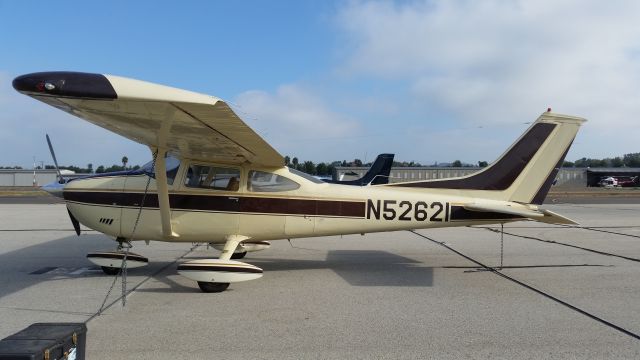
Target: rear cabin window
{"type": "Point", "coordinates": [262, 181]}
{"type": "Point", "coordinates": [213, 177]}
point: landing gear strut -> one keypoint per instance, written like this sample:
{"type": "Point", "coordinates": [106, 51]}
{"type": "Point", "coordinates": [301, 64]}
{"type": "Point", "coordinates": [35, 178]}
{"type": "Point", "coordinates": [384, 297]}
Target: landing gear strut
{"type": "Point", "coordinates": [239, 255]}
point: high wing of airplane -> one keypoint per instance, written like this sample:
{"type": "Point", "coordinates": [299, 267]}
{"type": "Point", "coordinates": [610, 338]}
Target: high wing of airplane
{"type": "Point", "coordinates": [377, 174]}
{"type": "Point", "coordinates": [214, 180]}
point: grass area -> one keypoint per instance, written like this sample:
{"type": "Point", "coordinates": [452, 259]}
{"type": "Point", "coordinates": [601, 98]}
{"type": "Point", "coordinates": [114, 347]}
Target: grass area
{"type": "Point", "coordinates": [22, 191]}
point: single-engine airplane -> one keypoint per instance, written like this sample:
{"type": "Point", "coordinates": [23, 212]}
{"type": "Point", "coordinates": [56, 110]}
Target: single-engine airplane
{"type": "Point", "coordinates": [214, 180]}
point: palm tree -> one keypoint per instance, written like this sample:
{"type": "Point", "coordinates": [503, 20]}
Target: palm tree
{"type": "Point", "coordinates": [125, 160]}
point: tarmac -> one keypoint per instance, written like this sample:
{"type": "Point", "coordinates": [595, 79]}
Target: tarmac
{"type": "Point", "coordinates": [562, 292]}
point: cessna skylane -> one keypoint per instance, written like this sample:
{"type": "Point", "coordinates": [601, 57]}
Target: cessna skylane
{"type": "Point", "coordinates": [214, 180]}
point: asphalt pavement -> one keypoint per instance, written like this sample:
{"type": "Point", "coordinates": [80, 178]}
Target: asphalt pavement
{"type": "Point", "coordinates": [561, 292]}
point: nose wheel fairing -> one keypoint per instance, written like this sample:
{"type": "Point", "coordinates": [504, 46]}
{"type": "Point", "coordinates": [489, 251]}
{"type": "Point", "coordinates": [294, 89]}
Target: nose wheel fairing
{"type": "Point", "coordinates": [114, 260]}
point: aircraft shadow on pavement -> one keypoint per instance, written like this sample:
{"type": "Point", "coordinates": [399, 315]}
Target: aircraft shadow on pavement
{"type": "Point", "coordinates": [62, 258]}
{"type": "Point", "coordinates": [48, 261]}
{"type": "Point", "coordinates": [359, 267]}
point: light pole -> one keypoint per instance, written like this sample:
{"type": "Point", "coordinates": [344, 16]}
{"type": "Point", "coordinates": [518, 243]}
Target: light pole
{"type": "Point", "coordinates": [34, 172]}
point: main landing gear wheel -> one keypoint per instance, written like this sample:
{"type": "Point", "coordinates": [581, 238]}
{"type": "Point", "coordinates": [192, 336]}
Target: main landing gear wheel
{"type": "Point", "coordinates": [238, 255]}
{"type": "Point", "coordinates": [110, 270]}
{"type": "Point", "coordinates": [212, 287]}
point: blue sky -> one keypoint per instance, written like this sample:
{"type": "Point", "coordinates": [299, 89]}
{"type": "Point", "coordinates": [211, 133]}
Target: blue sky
{"type": "Point", "coordinates": [332, 80]}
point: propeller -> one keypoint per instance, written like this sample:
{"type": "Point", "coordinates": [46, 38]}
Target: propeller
{"type": "Point", "coordinates": [75, 222]}
{"type": "Point", "coordinates": [57, 188]}
{"type": "Point", "coordinates": [53, 155]}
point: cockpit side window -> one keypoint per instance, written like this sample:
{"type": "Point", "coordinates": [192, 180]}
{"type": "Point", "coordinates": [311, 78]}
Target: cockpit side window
{"type": "Point", "coordinates": [172, 165]}
{"type": "Point", "coordinates": [262, 181]}
{"type": "Point", "coordinates": [212, 177]}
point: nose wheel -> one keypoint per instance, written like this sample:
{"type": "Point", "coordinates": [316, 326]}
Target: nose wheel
{"type": "Point", "coordinates": [111, 262]}
{"type": "Point", "coordinates": [110, 270]}
{"type": "Point", "coordinates": [212, 287]}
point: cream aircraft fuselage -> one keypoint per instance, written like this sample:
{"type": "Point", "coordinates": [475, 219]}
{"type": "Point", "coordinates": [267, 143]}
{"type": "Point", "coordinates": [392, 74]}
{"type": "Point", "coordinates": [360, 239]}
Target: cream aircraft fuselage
{"type": "Point", "coordinates": [110, 204]}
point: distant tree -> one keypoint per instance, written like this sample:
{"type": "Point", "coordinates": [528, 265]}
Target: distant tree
{"type": "Point", "coordinates": [357, 162]}
{"type": "Point", "coordinates": [309, 167]}
{"type": "Point", "coordinates": [483, 164]}
{"type": "Point", "coordinates": [456, 163]}
{"type": "Point", "coordinates": [617, 162]}
{"type": "Point", "coordinates": [90, 167]}
{"type": "Point", "coordinates": [114, 167]}
{"type": "Point", "coordinates": [631, 160]}
{"type": "Point", "coordinates": [125, 160]}
{"type": "Point", "coordinates": [294, 162]}
{"type": "Point", "coordinates": [100, 169]}
{"type": "Point", "coordinates": [567, 164]}
{"type": "Point", "coordinates": [321, 169]}
{"type": "Point", "coordinates": [594, 163]}
{"type": "Point", "coordinates": [344, 163]}
{"type": "Point", "coordinates": [287, 160]}
{"type": "Point", "coordinates": [581, 162]}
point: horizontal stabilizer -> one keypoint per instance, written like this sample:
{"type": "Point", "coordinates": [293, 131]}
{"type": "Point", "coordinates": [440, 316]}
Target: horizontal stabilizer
{"type": "Point", "coordinates": [542, 215]}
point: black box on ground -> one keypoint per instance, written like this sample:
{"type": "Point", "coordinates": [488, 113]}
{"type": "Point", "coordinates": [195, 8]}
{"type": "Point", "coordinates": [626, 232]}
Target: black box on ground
{"type": "Point", "coordinates": [46, 341]}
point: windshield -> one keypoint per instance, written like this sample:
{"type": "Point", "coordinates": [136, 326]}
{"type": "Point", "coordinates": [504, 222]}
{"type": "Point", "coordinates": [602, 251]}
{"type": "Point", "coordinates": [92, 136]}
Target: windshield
{"type": "Point", "coordinates": [306, 176]}
{"type": "Point", "coordinates": [172, 164]}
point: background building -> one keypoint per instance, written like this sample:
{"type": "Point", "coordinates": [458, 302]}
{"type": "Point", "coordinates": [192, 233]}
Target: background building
{"type": "Point", "coordinates": [22, 177]}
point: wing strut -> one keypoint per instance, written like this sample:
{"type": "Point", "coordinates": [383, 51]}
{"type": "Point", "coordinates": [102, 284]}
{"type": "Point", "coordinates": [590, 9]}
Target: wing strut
{"type": "Point", "coordinates": [161, 175]}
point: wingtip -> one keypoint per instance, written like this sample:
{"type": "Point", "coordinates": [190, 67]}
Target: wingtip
{"type": "Point", "coordinates": [65, 84]}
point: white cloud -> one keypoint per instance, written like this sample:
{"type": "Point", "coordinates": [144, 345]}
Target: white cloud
{"type": "Point", "coordinates": [291, 117]}
{"type": "Point", "coordinates": [492, 62]}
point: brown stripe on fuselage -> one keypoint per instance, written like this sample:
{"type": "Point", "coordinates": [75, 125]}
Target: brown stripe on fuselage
{"type": "Point", "coordinates": [224, 203]}
{"type": "Point", "coordinates": [500, 175]}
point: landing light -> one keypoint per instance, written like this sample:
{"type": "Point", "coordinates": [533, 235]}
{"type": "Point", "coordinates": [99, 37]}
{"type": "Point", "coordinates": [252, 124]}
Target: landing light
{"type": "Point", "coordinates": [49, 86]}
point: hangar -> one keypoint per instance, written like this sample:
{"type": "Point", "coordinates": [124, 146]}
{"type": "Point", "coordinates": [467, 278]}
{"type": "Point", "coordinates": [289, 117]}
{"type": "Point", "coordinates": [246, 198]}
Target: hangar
{"type": "Point", "coordinates": [594, 175]}
{"type": "Point", "coordinates": [24, 177]}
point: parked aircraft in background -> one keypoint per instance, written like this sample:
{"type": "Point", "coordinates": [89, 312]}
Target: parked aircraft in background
{"type": "Point", "coordinates": [618, 181]}
{"type": "Point", "coordinates": [378, 173]}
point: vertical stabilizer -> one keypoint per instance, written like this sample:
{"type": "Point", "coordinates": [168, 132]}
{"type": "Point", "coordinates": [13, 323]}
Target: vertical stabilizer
{"type": "Point", "coordinates": [525, 172]}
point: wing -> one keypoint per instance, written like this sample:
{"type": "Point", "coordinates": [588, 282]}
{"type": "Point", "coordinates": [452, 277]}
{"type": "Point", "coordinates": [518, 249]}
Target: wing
{"type": "Point", "coordinates": [542, 215]}
{"type": "Point", "coordinates": [187, 124]}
